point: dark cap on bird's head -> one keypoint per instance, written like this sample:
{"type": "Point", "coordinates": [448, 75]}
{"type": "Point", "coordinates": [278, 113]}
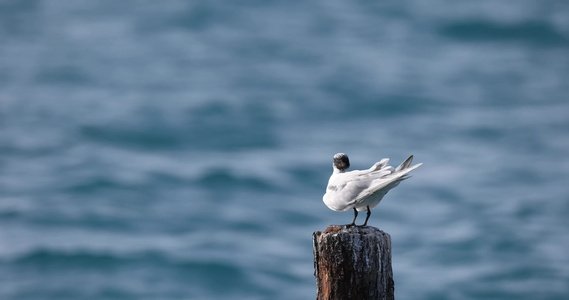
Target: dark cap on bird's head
{"type": "Point", "coordinates": [341, 162]}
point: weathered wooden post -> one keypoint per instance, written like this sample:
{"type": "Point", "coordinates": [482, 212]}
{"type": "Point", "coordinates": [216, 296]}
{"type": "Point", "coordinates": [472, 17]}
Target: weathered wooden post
{"type": "Point", "coordinates": [353, 262]}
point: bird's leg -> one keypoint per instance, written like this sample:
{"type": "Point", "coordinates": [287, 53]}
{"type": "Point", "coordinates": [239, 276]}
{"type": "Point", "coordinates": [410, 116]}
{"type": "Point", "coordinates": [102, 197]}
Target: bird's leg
{"type": "Point", "coordinates": [367, 217]}
{"type": "Point", "coordinates": [355, 216]}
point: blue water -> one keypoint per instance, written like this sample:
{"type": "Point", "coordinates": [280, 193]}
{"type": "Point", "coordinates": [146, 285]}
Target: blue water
{"type": "Point", "coordinates": [180, 149]}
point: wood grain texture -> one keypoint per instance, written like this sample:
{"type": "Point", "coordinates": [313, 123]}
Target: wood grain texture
{"type": "Point", "coordinates": [353, 262]}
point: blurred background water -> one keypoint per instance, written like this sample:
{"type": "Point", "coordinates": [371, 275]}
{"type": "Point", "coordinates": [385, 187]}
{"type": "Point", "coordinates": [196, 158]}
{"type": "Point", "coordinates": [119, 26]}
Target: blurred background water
{"type": "Point", "coordinates": [180, 149]}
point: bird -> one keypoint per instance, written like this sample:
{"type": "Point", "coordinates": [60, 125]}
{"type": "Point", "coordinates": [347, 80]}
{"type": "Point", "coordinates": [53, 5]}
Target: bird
{"type": "Point", "coordinates": [363, 189]}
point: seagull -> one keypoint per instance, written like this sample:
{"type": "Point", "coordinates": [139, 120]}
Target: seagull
{"type": "Point", "coordinates": [362, 189]}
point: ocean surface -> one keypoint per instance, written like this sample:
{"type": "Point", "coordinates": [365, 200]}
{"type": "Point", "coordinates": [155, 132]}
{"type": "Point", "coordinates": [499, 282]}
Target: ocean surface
{"type": "Point", "coordinates": [180, 149]}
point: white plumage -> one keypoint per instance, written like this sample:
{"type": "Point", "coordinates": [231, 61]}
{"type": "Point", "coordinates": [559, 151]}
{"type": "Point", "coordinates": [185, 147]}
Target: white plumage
{"type": "Point", "coordinates": [363, 189]}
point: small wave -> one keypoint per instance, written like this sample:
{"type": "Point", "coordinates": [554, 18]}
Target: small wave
{"type": "Point", "coordinates": [222, 276]}
{"type": "Point", "coordinates": [537, 33]}
{"type": "Point", "coordinates": [65, 75]}
{"type": "Point", "coordinates": [134, 137]}
{"type": "Point", "coordinates": [223, 178]}
{"type": "Point", "coordinates": [94, 184]}
{"type": "Point", "coordinates": [197, 17]}
{"type": "Point", "coordinates": [205, 128]}
{"type": "Point", "coordinates": [211, 275]}
{"type": "Point", "coordinates": [206, 273]}
{"type": "Point", "coordinates": [59, 259]}
{"type": "Point", "coordinates": [10, 214]}
{"type": "Point", "coordinates": [366, 102]}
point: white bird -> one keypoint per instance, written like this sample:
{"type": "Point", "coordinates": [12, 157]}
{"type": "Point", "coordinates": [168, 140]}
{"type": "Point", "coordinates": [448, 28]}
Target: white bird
{"type": "Point", "coordinates": [363, 189]}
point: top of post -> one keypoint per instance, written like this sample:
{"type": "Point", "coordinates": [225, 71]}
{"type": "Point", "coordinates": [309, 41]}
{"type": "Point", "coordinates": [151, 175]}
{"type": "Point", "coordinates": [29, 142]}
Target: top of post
{"type": "Point", "coordinates": [351, 229]}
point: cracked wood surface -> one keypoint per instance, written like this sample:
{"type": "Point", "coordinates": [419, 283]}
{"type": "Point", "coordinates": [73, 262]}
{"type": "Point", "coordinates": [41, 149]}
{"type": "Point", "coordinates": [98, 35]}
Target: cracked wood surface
{"type": "Point", "coordinates": [353, 262]}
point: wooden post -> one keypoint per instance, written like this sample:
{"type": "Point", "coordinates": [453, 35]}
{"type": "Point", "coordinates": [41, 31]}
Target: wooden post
{"type": "Point", "coordinates": [353, 262]}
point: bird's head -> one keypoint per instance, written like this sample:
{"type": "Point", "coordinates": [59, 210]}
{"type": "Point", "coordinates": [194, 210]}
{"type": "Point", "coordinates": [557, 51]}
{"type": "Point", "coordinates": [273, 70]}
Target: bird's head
{"type": "Point", "coordinates": [341, 162]}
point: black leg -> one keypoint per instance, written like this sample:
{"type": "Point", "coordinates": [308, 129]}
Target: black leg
{"type": "Point", "coordinates": [355, 216]}
{"type": "Point", "coordinates": [367, 217]}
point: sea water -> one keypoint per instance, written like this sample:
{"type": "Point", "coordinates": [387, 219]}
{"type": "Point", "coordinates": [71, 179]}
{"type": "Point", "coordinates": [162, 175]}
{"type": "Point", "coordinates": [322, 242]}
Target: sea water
{"type": "Point", "coordinates": [180, 149]}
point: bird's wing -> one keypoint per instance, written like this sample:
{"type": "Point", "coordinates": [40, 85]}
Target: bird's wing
{"type": "Point", "coordinates": [376, 167]}
{"type": "Point", "coordinates": [350, 187]}
{"type": "Point", "coordinates": [386, 182]}
{"type": "Point", "coordinates": [349, 193]}
{"type": "Point", "coordinates": [384, 171]}
{"type": "Point", "coordinates": [345, 190]}
{"type": "Point", "coordinates": [379, 165]}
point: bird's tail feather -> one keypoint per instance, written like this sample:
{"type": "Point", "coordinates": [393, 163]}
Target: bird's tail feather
{"type": "Point", "coordinates": [396, 176]}
{"type": "Point", "coordinates": [405, 164]}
